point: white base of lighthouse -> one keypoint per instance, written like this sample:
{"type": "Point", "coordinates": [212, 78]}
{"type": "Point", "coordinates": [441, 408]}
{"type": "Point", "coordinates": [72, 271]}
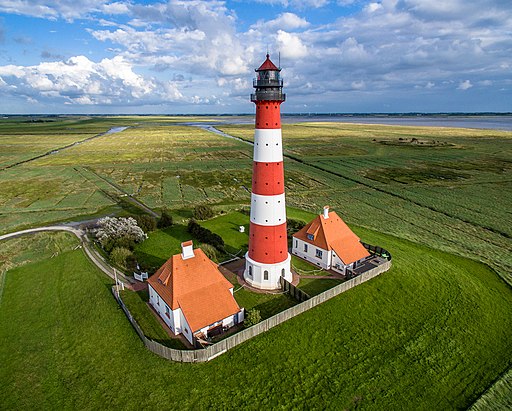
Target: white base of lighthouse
{"type": "Point", "coordinates": [266, 276]}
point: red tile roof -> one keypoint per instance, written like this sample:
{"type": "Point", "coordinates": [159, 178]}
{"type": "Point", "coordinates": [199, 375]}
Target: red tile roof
{"type": "Point", "coordinates": [197, 287]}
{"type": "Point", "coordinates": [333, 234]}
{"type": "Point", "coordinates": [267, 65]}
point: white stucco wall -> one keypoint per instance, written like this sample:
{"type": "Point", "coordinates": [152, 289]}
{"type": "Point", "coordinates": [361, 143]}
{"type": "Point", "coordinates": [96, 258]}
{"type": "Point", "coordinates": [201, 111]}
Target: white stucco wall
{"type": "Point", "coordinates": [254, 273]}
{"type": "Point", "coordinates": [310, 254]}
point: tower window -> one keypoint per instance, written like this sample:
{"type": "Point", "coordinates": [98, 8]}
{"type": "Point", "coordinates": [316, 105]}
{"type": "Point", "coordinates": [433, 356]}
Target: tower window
{"type": "Point", "coordinates": [265, 275]}
{"type": "Point", "coordinates": [250, 271]}
{"type": "Point", "coordinates": [283, 272]}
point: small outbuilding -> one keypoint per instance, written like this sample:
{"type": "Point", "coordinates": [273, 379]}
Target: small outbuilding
{"type": "Point", "coordinates": [192, 296]}
{"type": "Point", "coordinates": [329, 243]}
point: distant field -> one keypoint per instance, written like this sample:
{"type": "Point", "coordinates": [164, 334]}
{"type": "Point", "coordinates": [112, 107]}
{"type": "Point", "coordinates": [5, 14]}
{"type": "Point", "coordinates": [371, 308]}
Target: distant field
{"type": "Point", "coordinates": [447, 188]}
{"type": "Point", "coordinates": [432, 333]}
{"type": "Point", "coordinates": [452, 196]}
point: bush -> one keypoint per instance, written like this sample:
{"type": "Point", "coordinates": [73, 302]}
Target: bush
{"type": "Point", "coordinates": [210, 251]}
{"type": "Point", "coordinates": [120, 255]}
{"type": "Point", "coordinates": [146, 222]}
{"type": "Point", "coordinates": [252, 317]}
{"type": "Point", "coordinates": [119, 232]}
{"type": "Point", "coordinates": [205, 236]}
{"type": "Point", "coordinates": [203, 212]}
{"type": "Point", "coordinates": [165, 220]}
{"type": "Point", "coordinates": [292, 226]}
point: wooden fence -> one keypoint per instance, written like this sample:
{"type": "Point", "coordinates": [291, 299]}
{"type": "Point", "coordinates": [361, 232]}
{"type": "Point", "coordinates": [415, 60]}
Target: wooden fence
{"type": "Point", "coordinates": [295, 292]}
{"type": "Point", "coordinates": [206, 354]}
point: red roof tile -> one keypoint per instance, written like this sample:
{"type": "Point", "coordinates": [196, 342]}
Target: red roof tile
{"type": "Point", "coordinates": [197, 287]}
{"type": "Point", "coordinates": [267, 65]}
{"type": "Point", "coordinates": [333, 234]}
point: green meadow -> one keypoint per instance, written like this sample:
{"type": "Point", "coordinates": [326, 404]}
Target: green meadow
{"type": "Point", "coordinates": [432, 333]}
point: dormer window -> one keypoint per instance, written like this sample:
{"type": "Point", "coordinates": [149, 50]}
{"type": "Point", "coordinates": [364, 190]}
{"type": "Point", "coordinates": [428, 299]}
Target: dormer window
{"type": "Point", "coordinates": [310, 237]}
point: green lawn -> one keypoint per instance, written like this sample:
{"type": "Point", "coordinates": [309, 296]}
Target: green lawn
{"type": "Point", "coordinates": [431, 333]}
{"type": "Point", "coordinates": [161, 245]}
{"type": "Point", "coordinates": [267, 304]}
{"type": "Point", "coordinates": [314, 286]}
{"type": "Point", "coordinates": [304, 267]}
{"type": "Point", "coordinates": [227, 226]}
{"type": "Point", "coordinates": [136, 304]}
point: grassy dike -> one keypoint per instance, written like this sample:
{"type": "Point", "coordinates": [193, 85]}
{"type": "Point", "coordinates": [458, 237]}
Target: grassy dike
{"type": "Point", "coordinates": [432, 333]}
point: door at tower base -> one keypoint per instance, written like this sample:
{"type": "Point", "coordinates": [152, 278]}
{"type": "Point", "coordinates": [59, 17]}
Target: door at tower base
{"type": "Point", "coordinates": [266, 276]}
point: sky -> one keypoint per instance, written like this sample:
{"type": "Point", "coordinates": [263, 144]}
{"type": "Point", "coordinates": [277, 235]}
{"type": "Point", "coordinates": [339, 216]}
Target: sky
{"type": "Point", "coordinates": [198, 57]}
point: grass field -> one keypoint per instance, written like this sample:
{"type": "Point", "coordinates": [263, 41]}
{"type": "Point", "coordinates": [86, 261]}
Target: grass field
{"type": "Point", "coordinates": [452, 195]}
{"type": "Point", "coordinates": [432, 333]}
{"type": "Point", "coordinates": [421, 334]}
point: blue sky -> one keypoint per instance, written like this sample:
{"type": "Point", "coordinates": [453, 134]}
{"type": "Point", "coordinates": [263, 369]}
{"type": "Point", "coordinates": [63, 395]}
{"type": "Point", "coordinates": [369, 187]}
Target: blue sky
{"type": "Point", "coordinates": [165, 57]}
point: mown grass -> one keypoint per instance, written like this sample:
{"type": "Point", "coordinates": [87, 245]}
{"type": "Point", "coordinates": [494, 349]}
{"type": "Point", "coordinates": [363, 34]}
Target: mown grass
{"type": "Point", "coordinates": [498, 397]}
{"type": "Point", "coordinates": [136, 302]}
{"type": "Point", "coordinates": [315, 286]}
{"type": "Point", "coordinates": [303, 267]}
{"type": "Point", "coordinates": [432, 333]}
{"type": "Point", "coordinates": [267, 304]}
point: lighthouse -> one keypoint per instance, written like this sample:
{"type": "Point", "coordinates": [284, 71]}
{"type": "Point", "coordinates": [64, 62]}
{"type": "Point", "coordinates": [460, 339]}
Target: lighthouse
{"type": "Point", "coordinates": [267, 258]}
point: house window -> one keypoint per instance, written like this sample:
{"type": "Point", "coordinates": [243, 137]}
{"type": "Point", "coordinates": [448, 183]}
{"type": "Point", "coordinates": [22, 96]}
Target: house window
{"type": "Point", "coordinates": [265, 275]}
{"type": "Point", "coordinates": [311, 237]}
{"type": "Point", "coordinates": [167, 311]}
{"type": "Point", "coordinates": [157, 300]}
{"type": "Point", "coordinates": [305, 248]}
{"type": "Point", "coordinates": [319, 253]}
{"type": "Point", "coordinates": [296, 243]}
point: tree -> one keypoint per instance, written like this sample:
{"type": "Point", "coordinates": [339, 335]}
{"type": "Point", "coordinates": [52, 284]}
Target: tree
{"type": "Point", "coordinates": [252, 317]}
{"type": "Point", "coordinates": [165, 220]}
{"type": "Point", "coordinates": [120, 256]}
{"type": "Point", "coordinates": [210, 251]}
{"type": "Point", "coordinates": [292, 226]}
{"type": "Point", "coordinates": [119, 232]}
{"type": "Point", "coordinates": [203, 212]}
{"type": "Point", "coordinates": [204, 235]}
{"type": "Point", "coordinates": [146, 222]}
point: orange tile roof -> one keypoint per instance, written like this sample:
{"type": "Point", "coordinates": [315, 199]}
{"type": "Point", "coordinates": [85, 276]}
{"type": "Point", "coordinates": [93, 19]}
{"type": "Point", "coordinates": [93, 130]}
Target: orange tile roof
{"type": "Point", "coordinates": [333, 234]}
{"type": "Point", "coordinates": [197, 287]}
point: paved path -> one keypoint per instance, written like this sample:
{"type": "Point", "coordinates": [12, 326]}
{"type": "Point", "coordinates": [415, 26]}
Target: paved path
{"type": "Point", "coordinates": [93, 255]}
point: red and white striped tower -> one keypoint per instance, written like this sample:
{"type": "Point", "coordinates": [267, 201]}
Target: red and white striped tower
{"type": "Point", "coordinates": [268, 257]}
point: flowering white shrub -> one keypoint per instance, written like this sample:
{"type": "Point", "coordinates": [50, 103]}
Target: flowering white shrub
{"type": "Point", "coordinates": [120, 232]}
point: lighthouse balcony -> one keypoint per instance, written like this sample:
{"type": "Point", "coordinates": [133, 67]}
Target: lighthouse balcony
{"type": "Point", "coordinates": [267, 83]}
{"type": "Point", "coordinates": [270, 95]}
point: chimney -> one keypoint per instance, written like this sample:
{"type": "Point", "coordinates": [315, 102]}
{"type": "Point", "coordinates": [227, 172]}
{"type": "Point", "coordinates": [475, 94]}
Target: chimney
{"type": "Point", "coordinates": [326, 212]}
{"type": "Point", "coordinates": [187, 250]}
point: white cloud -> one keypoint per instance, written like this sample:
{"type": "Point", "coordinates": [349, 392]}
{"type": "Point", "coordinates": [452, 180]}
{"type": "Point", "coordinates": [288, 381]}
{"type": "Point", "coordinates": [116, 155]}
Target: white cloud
{"type": "Point", "coordinates": [464, 85]}
{"type": "Point", "coordinates": [373, 7]}
{"type": "Point", "coordinates": [116, 8]}
{"type": "Point", "coordinates": [79, 80]}
{"type": "Point", "coordinates": [67, 9]}
{"type": "Point", "coordinates": [358, 85]}
{"type": "Point", "coordinates": [298, 4]}
{"type": "Point", "coordinates": [290, 45]}
{"type": "Point", "coordinates": [285, 21]}
{"type": "Point", "coordinates": [399, 47]}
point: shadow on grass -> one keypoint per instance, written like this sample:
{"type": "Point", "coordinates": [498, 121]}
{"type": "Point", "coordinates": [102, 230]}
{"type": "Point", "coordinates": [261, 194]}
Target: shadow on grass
{"type": "Point", "coordinates": [148, 261]}
{"type": "Point", "coordinates": [271, 307]}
